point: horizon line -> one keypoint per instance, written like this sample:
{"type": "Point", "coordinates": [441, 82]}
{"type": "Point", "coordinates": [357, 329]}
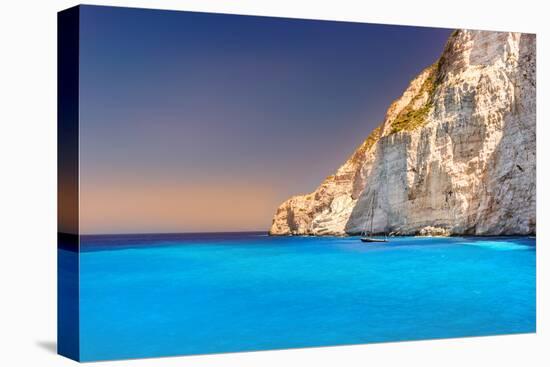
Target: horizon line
{"type": "Point", "coordinates": [162, 233]}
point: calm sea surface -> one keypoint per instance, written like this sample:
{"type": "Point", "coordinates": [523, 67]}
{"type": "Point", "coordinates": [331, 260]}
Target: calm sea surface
{"type": "Point", "coordinates": [157, 295]}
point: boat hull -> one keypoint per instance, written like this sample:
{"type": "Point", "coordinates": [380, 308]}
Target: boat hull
{"type": "Point", "coordinates": [365, 239]}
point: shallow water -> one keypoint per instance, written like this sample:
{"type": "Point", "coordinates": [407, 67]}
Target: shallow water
{"type": "Point", "coordinates": [144, 296]}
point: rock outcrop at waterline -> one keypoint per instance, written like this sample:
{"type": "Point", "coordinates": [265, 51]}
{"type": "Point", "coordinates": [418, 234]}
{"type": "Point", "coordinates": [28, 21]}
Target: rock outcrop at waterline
{"type": "Point", "coordinates": [456, 151]}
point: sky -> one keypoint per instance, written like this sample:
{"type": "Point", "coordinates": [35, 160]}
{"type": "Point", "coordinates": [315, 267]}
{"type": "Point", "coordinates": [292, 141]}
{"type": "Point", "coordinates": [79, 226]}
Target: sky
{"type": "Point", "coordinates": [196, 122]}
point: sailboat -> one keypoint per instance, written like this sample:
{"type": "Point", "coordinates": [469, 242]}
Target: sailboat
{"type": "Point", "coordinates": [366, 236]}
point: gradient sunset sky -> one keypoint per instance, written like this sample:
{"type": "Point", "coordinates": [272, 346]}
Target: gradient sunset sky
{"type": "Point", "coordinates": [194, 122]}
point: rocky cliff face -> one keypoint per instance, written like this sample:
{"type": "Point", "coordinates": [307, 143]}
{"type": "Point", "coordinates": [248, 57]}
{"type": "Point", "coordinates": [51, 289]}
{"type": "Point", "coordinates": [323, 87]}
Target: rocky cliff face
{"type": "Point", "coordinates": [456, 151]}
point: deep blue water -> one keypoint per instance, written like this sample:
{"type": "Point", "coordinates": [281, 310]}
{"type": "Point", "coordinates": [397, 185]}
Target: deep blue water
{"type": "Point", "coordinates": [144, 296]}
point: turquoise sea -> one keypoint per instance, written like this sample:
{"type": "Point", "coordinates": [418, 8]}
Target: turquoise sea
{"type": "Point", "coordinates": [160, 295]}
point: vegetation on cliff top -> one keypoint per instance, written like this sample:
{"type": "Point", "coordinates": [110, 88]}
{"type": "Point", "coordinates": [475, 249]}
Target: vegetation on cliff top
{"type": "Point", "coordinates": [410, 118]}
{"type": "Point", "coordinates": [373, 137]}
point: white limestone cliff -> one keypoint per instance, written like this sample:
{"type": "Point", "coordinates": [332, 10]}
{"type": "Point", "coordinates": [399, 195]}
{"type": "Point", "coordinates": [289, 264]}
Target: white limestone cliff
{"type": "Point", "coordinates": [456, 151]}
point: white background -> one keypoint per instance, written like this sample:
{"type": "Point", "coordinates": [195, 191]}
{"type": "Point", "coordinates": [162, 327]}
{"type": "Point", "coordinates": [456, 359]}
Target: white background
{"type": "Point", "coordinates": [28, 183]}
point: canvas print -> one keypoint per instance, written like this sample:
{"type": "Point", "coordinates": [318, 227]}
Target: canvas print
{"type": "Point", "coordinates": [237, 183]}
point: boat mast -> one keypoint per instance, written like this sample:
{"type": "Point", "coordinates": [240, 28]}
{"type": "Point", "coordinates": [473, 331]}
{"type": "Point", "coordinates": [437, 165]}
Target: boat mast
{"type": "Point", "coordinates": [364, 231]}
{"type": "Point", "coordinates": [372, 211]}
